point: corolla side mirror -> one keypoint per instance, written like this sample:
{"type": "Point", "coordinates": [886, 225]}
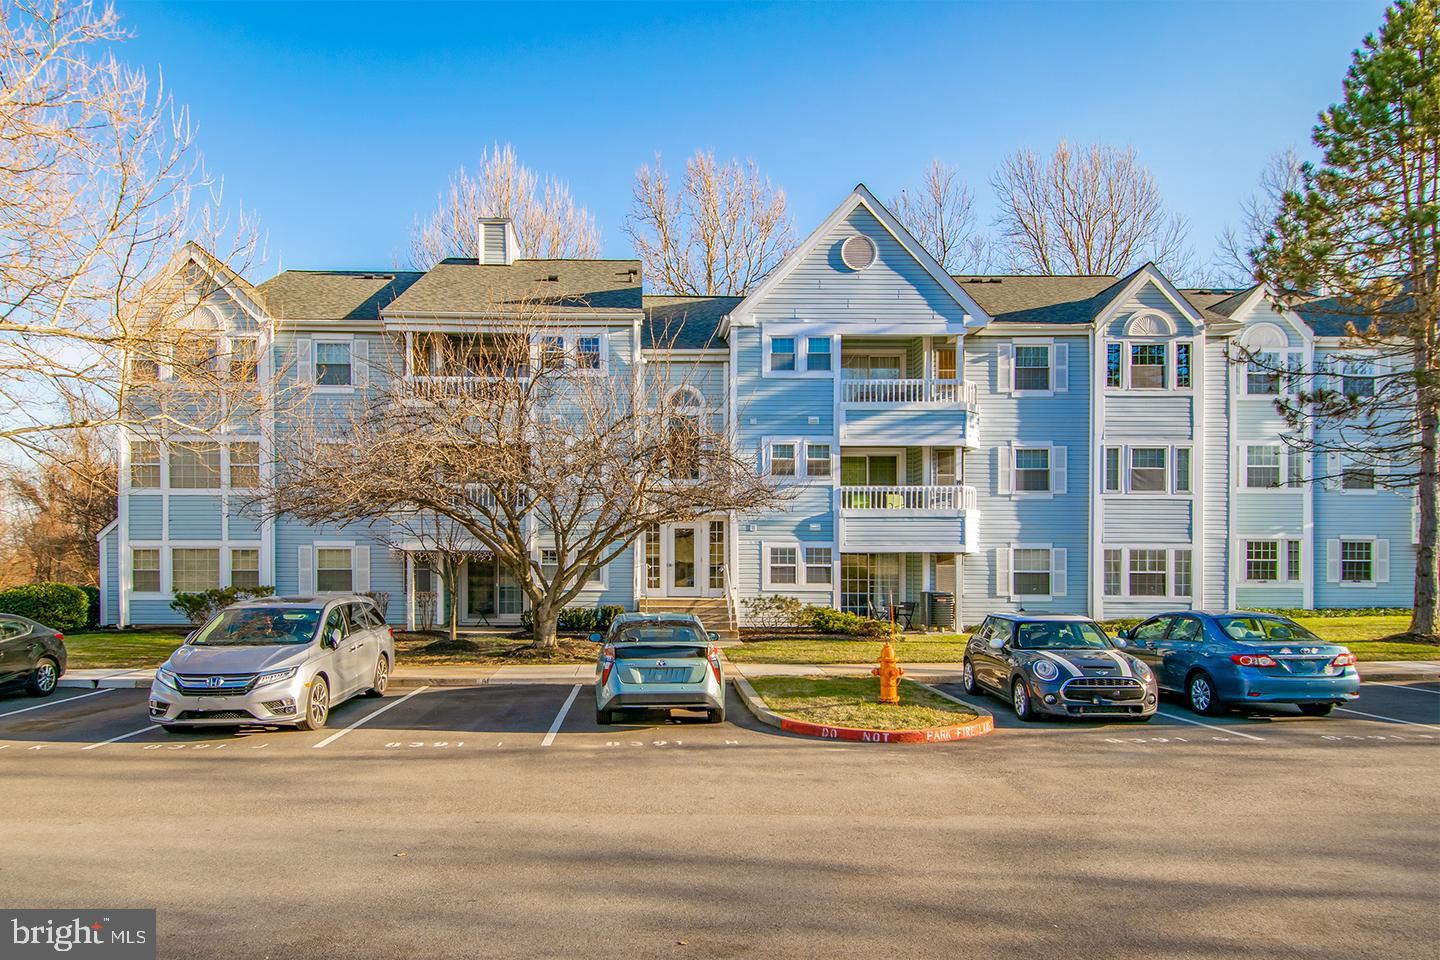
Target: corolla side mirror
{"type": "Point", "coordinates": [714, 637]}
{"type": "Point", "coordinates": [596, 638]}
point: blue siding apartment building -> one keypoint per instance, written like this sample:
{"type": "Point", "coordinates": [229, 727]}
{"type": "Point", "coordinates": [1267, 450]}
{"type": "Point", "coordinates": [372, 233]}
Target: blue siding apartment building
{"type": "Point", "coordinates": [1070, 444]}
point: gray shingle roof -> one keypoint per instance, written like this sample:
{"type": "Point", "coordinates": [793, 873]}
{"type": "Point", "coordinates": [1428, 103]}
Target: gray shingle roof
{"type": "Point", "coordinates": [465, 286]}
{"type": "Point", "coordinates": [354, 295]}
{"type": "Point", "coordinates": [1028, 299]}
{"type": "Point", "coordinates": [1331, 316]}
{"type": "Point", "coordinates": [685, 323]}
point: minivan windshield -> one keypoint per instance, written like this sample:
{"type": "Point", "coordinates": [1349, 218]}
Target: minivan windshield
{"type": "Point", "coordinates": [259, 627]}
{"type": "Point", "coordinates": [1266, 630]}
{"type": "Point", "coordinates": [1059, 636]}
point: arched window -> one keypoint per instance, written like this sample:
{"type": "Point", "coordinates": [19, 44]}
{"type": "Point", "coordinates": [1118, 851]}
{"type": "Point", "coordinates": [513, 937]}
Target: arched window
{"type": "Point", "coordinates": [687, 398]}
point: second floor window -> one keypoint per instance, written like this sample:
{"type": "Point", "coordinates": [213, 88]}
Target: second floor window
{"type": "Point", "coordinates": [1032, 470]}
{"type": "Point", "coordinates": [782, 353]}
{"type": "Point", "coordinates": [1357, 475]}
{"type": "Point", "coordinates": [782, 459]}
{"type": "Point", "coordinates": [1262, 376]}
{"type": "Point", "coordinates": [144, 464]}
{"type": "Point", "coordinates": [245, 465]}
{"type": "Point", "coordinates": [1147, 366]}
{"type": "Point", "coordinates": [1147, 470]}
{"type": "Point", "coordinates": [817, 353]}
{"type": "Point", "coordinates": [588, 353]}
{"type": "Point", "coordinates": [244, 360]}
{"type": "Point", "coordinates": [1032, 367]}
{"type": "Point", "coordinates": [195, 466]}
{"type": "Point", "coordinates": [1262, 467]}
{"type": "Point", "coordinates": [332, 364]}
{"type": "Point", "coordinates": [1358, 379]}
{"type": "Point", "coordinates": [1114, 372]}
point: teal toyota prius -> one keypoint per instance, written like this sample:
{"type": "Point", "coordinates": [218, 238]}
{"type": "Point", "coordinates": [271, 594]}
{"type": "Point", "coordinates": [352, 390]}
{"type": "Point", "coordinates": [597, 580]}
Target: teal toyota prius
{"type": "Point", "coordinates": [658, 661]}
{"type": "Point", "coordinates": [1224, 660]}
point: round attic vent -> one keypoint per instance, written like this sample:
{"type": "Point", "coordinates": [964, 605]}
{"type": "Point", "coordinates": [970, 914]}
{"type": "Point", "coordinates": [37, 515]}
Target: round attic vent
{"type": "Point", "coordinates": [857, 252]}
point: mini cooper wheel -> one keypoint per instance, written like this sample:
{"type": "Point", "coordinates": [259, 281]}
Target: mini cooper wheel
{"type": "Point", "coordinates": [1201, 696]}
{"type": "Point", "coordinates": [43, 678]}
{"type": "Point", "coordinates": [967, 679]}
{"type": "Point", "coordinates": [1316, 709]}
{"type": "Point", "coordinates": [382, 677]}
{"type": "Point", "coordinates": [1020, 699]}
{"type": "Point", "coordinates": [317, 705]}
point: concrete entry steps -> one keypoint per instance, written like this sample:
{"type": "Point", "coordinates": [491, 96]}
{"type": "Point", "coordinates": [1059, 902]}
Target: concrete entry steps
{"type": "Point", "coordinates": [714, 612]}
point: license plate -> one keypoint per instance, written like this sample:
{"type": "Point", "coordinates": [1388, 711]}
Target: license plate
{"type": "Point", "coordinates": [666, 675]}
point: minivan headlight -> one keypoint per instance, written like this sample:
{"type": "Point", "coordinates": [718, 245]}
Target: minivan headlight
{"type": "Point", "coordinates": [167, 678]}
{"type": "Point", "coordinates": [275, 676]}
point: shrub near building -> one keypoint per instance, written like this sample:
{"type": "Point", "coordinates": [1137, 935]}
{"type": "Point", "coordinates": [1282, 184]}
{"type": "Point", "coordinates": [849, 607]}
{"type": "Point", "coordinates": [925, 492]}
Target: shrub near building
{"type": "Point", "coordinates": [58, 606]}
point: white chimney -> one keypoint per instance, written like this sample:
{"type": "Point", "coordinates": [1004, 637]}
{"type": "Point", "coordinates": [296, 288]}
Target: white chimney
{"type": "Point", "coordinates": [497, 240]}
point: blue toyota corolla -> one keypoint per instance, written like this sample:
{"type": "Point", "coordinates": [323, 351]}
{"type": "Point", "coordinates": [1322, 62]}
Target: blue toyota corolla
{"type": "Point", "coordinates": [1222, 660]}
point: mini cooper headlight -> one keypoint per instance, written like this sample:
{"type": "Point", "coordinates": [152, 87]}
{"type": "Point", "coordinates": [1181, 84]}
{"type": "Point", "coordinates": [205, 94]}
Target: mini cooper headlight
{"type": "Point", "coordinates": [275, 676]}
{"type": "Point", "coordinates": [1141, 670]}
{"type": "Point", "coordinates": [1044, 670]}
{"type": "Point", "coordinates": [167, 678]}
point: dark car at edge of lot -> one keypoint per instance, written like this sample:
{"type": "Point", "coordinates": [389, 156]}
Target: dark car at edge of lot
{"type": "Point", "coordinates": [31, 654]}
{"type": "Point", "coordinates": [1058, 665]}
{"type": "Point", "coordinates": [1220, 660]}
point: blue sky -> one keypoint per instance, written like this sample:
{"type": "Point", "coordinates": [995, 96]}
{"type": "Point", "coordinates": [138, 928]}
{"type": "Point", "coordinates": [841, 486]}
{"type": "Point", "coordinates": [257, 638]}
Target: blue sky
{"type": "Point", "coordinates": [339, 124]}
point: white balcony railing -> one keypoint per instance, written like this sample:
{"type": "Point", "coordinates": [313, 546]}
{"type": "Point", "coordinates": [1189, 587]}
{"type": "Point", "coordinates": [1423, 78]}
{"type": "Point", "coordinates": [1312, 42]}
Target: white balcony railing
{"type": "Point", "coordinates": [942, 392]}
{"type": "Point", "coordinates": [921, 498]}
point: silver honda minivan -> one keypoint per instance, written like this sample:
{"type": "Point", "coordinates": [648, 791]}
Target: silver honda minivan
{"type": "Point", "coordinates": [276, 662]}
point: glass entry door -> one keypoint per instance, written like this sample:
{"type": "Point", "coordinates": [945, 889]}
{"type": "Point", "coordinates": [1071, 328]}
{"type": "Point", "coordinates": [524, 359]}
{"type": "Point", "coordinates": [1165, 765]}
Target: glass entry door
{"type": "Point", "coordinates": [687, 556]}
{"type": "Point", "coordinates": [479, 588]}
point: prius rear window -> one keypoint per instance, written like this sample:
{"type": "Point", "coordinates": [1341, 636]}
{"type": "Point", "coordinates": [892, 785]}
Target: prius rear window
{"type": "Point", "coordinates": [652, 651]}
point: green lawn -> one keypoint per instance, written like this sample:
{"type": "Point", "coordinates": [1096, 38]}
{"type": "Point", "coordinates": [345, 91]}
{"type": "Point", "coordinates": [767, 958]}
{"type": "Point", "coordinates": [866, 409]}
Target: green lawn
{"type": "Point", "coordinates": [851, 702]}
{"type": "Point", "coordinates": [122, 648]}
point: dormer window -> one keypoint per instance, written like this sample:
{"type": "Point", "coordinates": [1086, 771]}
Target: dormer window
{"type": "Point", "coordinates": [1147, 366]}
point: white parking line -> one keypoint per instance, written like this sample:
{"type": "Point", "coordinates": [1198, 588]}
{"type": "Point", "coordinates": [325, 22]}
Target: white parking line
{"type": "Point", "coordinates": [367, 718]}
{"type": "Point", "coordinates": [560, 717]}
{"type": "Point", "coordinates": [1401, 686]}
{"type": "Point", "coordinates": [123, 736]}
{"type": "Point", "coordinates": [55, 703]}
{"type": "Point", "coordinates": [1209, 726]}
{"type": "Point", "coordinates": [1376, 716]}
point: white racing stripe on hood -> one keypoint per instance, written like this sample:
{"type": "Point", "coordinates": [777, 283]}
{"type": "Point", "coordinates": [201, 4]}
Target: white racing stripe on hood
{"type": "Point", "coordinates": [1125, 670]}
{"type": "Point", "coordinates": [1074, 670]}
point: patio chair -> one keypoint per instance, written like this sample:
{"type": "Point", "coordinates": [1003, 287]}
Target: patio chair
{"type": "Point", "coordinates": [905, 614]}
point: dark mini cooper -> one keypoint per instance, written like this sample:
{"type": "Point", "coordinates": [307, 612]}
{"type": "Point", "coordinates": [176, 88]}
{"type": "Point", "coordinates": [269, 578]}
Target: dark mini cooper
{"type": "Point", "coordinates": [1057, 664]}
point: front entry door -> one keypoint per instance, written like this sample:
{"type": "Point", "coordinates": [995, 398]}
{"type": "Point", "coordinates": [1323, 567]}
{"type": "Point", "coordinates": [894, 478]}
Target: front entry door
{"type": "Point", "coordinates": [687, 559]}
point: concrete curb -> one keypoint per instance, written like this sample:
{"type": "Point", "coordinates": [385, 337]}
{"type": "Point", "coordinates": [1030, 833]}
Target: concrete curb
{"type": "Point", "coordinates": [965, 731]}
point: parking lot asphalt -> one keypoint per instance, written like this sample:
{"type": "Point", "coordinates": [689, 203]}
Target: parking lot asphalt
{"type": "Point", "coordinates": [502, 821]}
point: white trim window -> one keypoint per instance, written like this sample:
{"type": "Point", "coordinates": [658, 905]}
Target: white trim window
{"type": "Point", "coordinates": [145, 473]}
{"type": "Point", "coordinates": [1263, 466]}
{"type": "Point", "coordinates": [1033, 367]}
{"type": "Point", "coordinates": [798, 458]}
{"type": "Point", "coordinates": [1262, 375]}
{"type": "Point", "coordinates": [334, 568]}
{"type": "Point", "coordinates": [1183, 482]}
{"type": "Point", "coordinates": [792, 565]}
{"type": "Point", "coordinates": [1114, 365]}
{"type": "Point", "coordinates": [1032, 470]}
{"type": "Point", "coordinates": [245, 567]}
{"type": "Point", "coordinates": [1111, 482]}
{"type": "Point", "coordinates": [1148, 574]}
{"type": "Point", "coordinates": [1356, 475]}
{"type": "Point", "coordinates": [1357, 561]}
{"type": "Point", "coordinates": [1271, 561]}
{"type": "Point", "coordinates": [590, 353]}
{"type": "Point", "coordinates": [818, 355]}
{"type": "Point", "coordinates": [334, 364]}
{"type": "Point", "coordinates": [145, 574]}
{"type": "Point", "coordinates": [798, 354]}
{"type": "Point", "coordinates": [1357, 378]}
{"type": "Point", "coordinates": [1184, 374]}
{"type": "Point", "coordinates": [1034, 571]}
{"type": "Point", "coordinates": [783, 354]}
{"type": "Point", "coordinates": [244, 464]}
{"type": "Point", "coordinates": [194, 569]}
{"type": "Point", "coordinates": [195, 465]}
{"type": "Point", "coordinates": [1149, 471]}
{"type": "Point", "coordinates": [1113, 563]}
{"type": "Point", "coordinates": [1149, 363]}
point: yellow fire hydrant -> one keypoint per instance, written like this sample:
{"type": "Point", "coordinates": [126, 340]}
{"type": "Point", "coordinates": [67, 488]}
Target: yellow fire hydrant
{"type": "Point", "coordinates": [889, 673]}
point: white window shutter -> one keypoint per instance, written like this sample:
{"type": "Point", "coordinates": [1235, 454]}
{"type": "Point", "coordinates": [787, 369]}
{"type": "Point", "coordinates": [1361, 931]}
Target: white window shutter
{"type": "Point", "coordinates": [1332, 471]}
{"type": "Point", "coordinates": [1332, 561]}
{"type": "Point", "coordinates": [1238, 369]}
{"type": "Point", "coordinates": [362, 569]}
{"type": "Point", "coordinates": [304, 360]}
{"type": "Point", "coordinates": [1240, 471]}
{"type": "Point", "coordinates": [306, 568]}
{"type": "Point", "coordinates": [1004, 461]}
{"type": "Point", "coordinates": [1004, 368]}
{"type": "Point", "coordinates": [1004, 583]}
{"type": "Point", "coordinates": [1382, 561]}
{"type": "Point", "coordinates": [1057, 572]}
{"type": "Point", "coordinates": [1058, 469]}
{"type": "Point", "coordinates": [1061, 362]}
{"type": "Point", "coordinates": [360, 361]}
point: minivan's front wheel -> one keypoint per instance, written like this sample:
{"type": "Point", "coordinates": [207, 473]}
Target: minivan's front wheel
{"type": "Point", "coordinates": [317, 705]}
{"type": "Point", "coordinates": [43, 678]}
{"type": "Point", "coordinates": [382, 677]}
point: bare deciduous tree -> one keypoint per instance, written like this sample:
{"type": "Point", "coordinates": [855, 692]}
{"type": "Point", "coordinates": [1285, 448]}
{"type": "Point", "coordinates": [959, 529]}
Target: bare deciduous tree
{"type": "Point", "coordinates": [941, 215]}
{"type": "Point", "coordinates": [1257, 215]}
{"type": "Point", "coordinates": [518, 440]}
{"type": "Point", "coordinates": [549, 224]}
{"type": "Point", "coordinates": [58, 507]}
{"type": "Point", "coordinates": [1087, 210]}
{"type": "Point", "coordinates": [100, 192]}
{"type": "Point", "coordinates": [724, 229]}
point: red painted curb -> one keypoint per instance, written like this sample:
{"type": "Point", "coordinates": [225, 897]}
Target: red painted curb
{"type": "Point", "coordinates": [964, 731]}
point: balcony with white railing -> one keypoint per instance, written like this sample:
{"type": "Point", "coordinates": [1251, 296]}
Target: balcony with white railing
{"type": "Point", "coordinates": [928, 518]}
{"type": "Point", "coordinates": [943, 393]}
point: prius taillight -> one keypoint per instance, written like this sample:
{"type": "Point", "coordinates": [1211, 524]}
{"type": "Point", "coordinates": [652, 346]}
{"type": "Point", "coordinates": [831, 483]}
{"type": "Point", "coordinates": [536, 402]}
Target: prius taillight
{"type": "Point", "coordinates": [714, 658]}
{"type": "Point", "coordinates": [607, 662]}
